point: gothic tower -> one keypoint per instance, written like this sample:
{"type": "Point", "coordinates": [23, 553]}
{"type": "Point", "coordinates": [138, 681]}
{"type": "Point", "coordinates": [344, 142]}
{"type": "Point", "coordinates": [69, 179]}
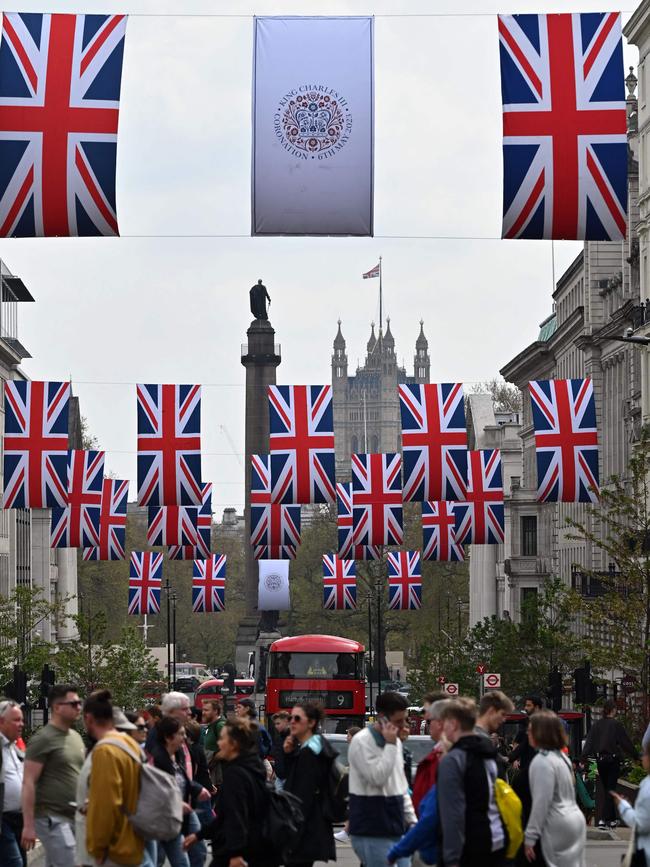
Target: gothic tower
{"type": "Point", "coordinates": [422, 362]}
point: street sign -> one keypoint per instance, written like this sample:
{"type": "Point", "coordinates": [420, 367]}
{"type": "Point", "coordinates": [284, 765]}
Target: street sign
{"type": "Point", "coordinates": [480, 668]}
{"type": "Point", "coordinates": [442, 679]}
{"type": "Point", "coordinates": [492, 681]}
{"type": "Point", "coordinates": [450, 689]}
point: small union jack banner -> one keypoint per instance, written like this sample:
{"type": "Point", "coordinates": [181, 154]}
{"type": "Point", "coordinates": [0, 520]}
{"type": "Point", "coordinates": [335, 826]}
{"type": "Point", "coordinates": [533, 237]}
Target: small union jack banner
{"type": "Point", "coordinates": [77, 524]}
{"type": "Point", "coordinates": [169, 445]}
{"type": "Point", "coordinates": [60, 80]}
{"type": "Point", "coordinates": [564, 126]}
{"type": "Point", "coordinates": [172, 525]}
{"type": "Point", "coordinates": [344, 527]}
{"type": "Point", "coordinates": [339, 583]}
{"type": "Point", "coordinates": [566, 440]}
{"type": "Point", "coordinates": [145, 582]}
{"type": "Point", "coordinates": [434, 441]}
{"type": "Point", "coordinates": [202, 550]}
{"type": "Point", "coordinates": [439, 533]}
{"type": "Point", "coordinates": [377, 513]}
{"type": "Point", "coordinates": [374, 272]}
{"type": "Point", "coordinates": [112, 522]}
{"type": "Point", "coordinates": [36, 444]}
{"type": "Point", "coordinates": [404, 580]}
{"type": "Point", "coordinates": [301, 444]}
{"type": "Point", "coordinates": [480, 517]}
{"type": "Point", "coordinates": [209, 584]}
{"type": "Point", "coordinates": [274, 527]}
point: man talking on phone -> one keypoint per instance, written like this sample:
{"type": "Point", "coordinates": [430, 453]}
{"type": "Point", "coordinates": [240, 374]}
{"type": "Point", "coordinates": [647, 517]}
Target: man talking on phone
{"type": "Point", "coordinates": [380, 805]}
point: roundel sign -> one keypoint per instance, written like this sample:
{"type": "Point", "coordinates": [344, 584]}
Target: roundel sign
{"type": "Point", "coordinates": [451, 688]}
{"type": "Point", "coordinates": [492, 681]}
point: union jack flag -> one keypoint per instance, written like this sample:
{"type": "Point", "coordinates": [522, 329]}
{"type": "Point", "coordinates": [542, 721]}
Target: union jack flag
{"type": "Point", "coordinates": [302, 443]}
{"type": "Point", "coordinates": [480, 518]}
{"type": "Point", "coordinates": [60, 79]}
{"type": "Point", "coordinates": [404, 580]}
{"type": "Point", "coordinates": [377, 513]}
{"type": "Point", "coordinates": [566, 440]}
{"type": "Point", "coordinates": [209, 584]}
{"type": "Point", "coordinates": [172, 525]}
{"type": "Point", "coordinates": [274, 527]}
{"type": "Point", "coordinates": [77, 524]}
{"type": "Point", "coordinates": [434, 441]}
{"type": "Point", "coordinates": [202, 550]}
{"type": "Point", "coordinates": [339, 583]}
{"type": "Point", "coordinates": [439, 533]}
{"type": "Point", "coordinates": [169, 445]}
{"type": "Point", "coordinates": [344, 527]}
{"type": "Point", "coordinates": [145, 582]}
{"type": "Point", "coordinates": [112, 522]}
{"type": "Point", "coordinates": [564, 126]}
{"type": "Point", "coordinates": [36, 444]}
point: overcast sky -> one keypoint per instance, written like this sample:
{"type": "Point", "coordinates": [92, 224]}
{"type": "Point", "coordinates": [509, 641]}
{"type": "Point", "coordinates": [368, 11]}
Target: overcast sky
{"type": "Point", "coordinates": [134, 309]}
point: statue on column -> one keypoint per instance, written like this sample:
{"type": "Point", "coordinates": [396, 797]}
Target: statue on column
{"type": "Point", "coordinates": [259, 296]}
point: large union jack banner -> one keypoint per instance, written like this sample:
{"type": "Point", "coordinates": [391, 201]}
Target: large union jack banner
{"type": "Point", "coordinates": [275, 529]}
{"type": "Point", "coordinates": [480, 517]}
{"type": "Point", "coordinates": [77, 524]}
{"type": "Point", "coordinates": [439, 533]}
{"type": "Point", "coordinates": [112, 522]}
{"type": "Point", "coordinates": [172, 525]}
{"type": "Point", "coordinates": [377, 512]}
{"type": "Point", "coordinates": [347, 550]}
{"type": "Point", "coordinates": [145, 582]}
{"type": "Point", "coordinates": [209, 584]}
{"type": "Point", "coordinates": [301, 443]}
{"type": "Point", "coordinates": [169, 445]}
{"type": "Point", "coordinates": [36, 444]}
{"type": "Point", "coordinates": [404, 580]}
{"type": "Point", "coordinates": [203, 548]}
{"type": "Point", "coordinates": [60, 79]}
{"type": "Point", "coordinates": [339, 583]}
{"type": "Point", "coordinates": [564, 126]}
{"type": "Point", "coordinates": [566, 440]}
{"type": "Point", "coordinates": [434, 441]}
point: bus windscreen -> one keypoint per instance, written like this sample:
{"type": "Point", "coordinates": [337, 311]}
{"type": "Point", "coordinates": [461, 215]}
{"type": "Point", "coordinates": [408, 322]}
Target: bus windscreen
{"type": "Point", "coordinates": [316, 666]}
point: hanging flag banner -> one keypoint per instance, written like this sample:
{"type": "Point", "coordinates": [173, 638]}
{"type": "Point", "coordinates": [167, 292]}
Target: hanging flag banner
{"type": "Point", "coordinates": [439, 533]}
{"type": "Point", "coordinates": [480, 516]}
{"type": "Point", "coordinates": [209, 584]}
{"type": "Point", "coordinates": [172, 525]}
{"type": "Point", "coordinates": [145, 582]}
{"type": "Point", "coordinates": [273, 588]}
{"type": "Point", "coordinates": [60, 80]}
{"type": "Point", "coordinates": [377, 512]}
{"type": "Point", "coordinates": [566, 440]}
{"type": "Point", "coordinates": [404, 580]}
{"type": "Point", "coordinates": [339, 583]}
{"type": "Point", "coordinates": [347, 550]}
{"type": "Point", "coordinates": [112, 522]}
{"type": "Point", "coordinates": [275, 529]}
{"type": "Point", "coordinates": [202, 549]}
{"type": "Point", "coordinates": [564, 126]}
{"type": "Point", "coordinates": [36, 444]}
{"type": "Point", "coordinates": [77, 524]}
{"type": "Point", "coordinates": [313, 126]}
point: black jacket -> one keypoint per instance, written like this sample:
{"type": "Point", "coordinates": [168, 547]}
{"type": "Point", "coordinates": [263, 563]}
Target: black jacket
{"type": "Point", "coordinates": [278, 755]}
{"type": "Point", "coordinates": [608, 737]}
{"type": "Point", "coordinates": [162, 760]}
{"type": "Point", "coordinates": [200, 770]}
{"type": "Point", "coordinates": [307, 777]}
{"type": "Point", "coordinates": [240, 807]}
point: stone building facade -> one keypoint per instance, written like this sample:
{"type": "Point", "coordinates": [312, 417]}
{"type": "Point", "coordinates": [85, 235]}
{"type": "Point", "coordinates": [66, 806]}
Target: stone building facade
{"type": "Point", "coordinates": [26, 559]}
{"type": "Point", "coordinates": [366, 404]}
{"type": "Point", "coordinates": [595, 301]}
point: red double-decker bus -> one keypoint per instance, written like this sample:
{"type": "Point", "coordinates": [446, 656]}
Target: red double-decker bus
{"type": "Point", "coordinates": [321, 668]}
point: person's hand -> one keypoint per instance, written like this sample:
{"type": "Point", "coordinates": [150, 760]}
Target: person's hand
{"type": "Point", "coordinates": [189, 841]}
{"type": "Point", "coordinates": [28, 837]}
{"type": "Point", "coordinates": [617, 798]}
{"type": "Point", "coordinates": [529, 852]}
{"type": "Point", "coordinates": [389, 731]}
{"type": "Point", "coordinates": [203, 795]}
{"type": "Point", "coordinates": [516, 764]}
{"type": "Point", "coordinates": [237, 862]}
{"type": "Point", "coordinates": [186, 808]}
{"type": "Point", "coordinates": [288, 745]}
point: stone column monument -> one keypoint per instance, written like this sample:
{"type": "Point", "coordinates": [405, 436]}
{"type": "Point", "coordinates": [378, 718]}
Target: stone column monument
{"type": "Point", "coordinates": [260, 356]}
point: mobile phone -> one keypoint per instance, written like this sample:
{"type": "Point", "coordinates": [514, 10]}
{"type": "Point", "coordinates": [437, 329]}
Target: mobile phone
{"type": "Point", "coordinates": [382, 720]}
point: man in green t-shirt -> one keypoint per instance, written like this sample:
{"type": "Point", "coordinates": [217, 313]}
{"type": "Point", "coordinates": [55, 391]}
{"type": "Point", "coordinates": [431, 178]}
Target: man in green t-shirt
{"type": "Point", "coordinates": [213, 721]}
{"type": "Point", "coordinates": [53, 760]}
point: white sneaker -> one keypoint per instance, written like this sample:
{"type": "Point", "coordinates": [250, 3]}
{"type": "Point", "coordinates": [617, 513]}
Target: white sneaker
{"type": "Point", "coordinates": [342, 836]}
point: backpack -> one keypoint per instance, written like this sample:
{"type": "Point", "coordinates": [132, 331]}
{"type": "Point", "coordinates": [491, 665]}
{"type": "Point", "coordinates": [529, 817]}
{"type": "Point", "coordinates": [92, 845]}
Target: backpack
{"type": "Point", "coordinates": [159, 811]}
{"type": "Point", "coordinates": [264, 741]}
{"type": "Point", "coordinates": [509, 806]}
{"type": "Point", "coordinates": [336, 793]}
{"type": "Point", "coordinates": [284, 821]}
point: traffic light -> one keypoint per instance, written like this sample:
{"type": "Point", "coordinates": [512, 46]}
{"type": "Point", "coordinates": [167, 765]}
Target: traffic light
{"type": "Point", "coordinates": [555, 689]}
{"type": "Point", "coordinates": [586, 692]}
{"type": "Point", "coordinates": [16, 689]}
{"type": "Point", "coordinates": [48, 678]}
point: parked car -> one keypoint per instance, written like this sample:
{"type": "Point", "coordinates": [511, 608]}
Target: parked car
{"type": "Point", "coordinates": [419, 745]}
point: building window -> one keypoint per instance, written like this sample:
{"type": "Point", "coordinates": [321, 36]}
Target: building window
{"type": "Point", "coordinates": [529, 536]}
{"type": "Point", "coordinates": [528, 606]}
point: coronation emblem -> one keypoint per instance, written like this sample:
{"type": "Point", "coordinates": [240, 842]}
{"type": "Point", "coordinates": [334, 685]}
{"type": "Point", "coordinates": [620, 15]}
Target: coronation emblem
{"type": "Point", "coordinates": [313, 121]}
{"type": "Point", "coordinates": [273, 583]}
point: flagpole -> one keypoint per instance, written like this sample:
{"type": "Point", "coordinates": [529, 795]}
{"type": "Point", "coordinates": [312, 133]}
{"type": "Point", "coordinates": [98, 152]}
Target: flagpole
{"type": "Point", "coordinates": [381, 318]}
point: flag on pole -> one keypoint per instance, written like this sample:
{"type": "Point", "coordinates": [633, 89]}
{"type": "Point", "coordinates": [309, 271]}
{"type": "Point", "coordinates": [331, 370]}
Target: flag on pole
{"type": "Point", "coordinates": [273, 588]}
{"type": "Point", "coordinates": [374, 272]}
{"type": "Point", "coordinates": [313, 126]}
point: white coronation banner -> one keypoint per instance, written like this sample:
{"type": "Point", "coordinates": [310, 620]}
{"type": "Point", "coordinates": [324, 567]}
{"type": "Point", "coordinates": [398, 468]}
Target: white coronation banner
{"type": "Point", "coordinates": [313, 126]}
{"type": "Point", "coordinates": [273, 587]}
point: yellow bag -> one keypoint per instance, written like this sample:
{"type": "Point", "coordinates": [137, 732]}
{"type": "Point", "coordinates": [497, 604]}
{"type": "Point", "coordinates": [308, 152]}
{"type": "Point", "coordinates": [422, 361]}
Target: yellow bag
{"type": "Point", "coordinates": [509, 807]}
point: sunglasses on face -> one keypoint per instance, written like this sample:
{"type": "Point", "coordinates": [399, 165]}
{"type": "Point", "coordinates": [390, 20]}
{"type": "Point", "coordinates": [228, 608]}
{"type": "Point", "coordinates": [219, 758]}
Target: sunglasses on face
{"type": "Point", "coordinates": [296, 718]}
{"type": "Point", "coordinates": [141, 728]}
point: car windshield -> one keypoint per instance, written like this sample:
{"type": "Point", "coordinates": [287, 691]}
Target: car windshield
{"type": "Point", "coordinates": [316, 665]}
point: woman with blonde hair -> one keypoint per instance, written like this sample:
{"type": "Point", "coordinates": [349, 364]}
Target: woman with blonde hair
{"type": "Point", "coordinates": [555, 819]}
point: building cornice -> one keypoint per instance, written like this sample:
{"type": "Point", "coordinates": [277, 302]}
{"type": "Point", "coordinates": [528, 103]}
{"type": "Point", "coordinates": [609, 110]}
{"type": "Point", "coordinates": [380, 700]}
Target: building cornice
{"type": "Point", "coordinates": [639, 20]}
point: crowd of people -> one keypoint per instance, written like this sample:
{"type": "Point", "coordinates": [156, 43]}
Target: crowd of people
{"type": "Point", "coordinates": [81, 796]}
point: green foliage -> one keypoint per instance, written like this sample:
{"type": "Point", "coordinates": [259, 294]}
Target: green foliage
{"type": "Point", "coordinates": [21, 614]}
{"type": "Point", "coordinates": [507, 397]}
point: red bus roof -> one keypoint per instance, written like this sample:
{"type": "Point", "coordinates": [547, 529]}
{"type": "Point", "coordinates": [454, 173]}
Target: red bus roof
{"type": "Point", "coordinates": [316, 644]}
{"type": "Point", "coordinates": [245, 681]}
